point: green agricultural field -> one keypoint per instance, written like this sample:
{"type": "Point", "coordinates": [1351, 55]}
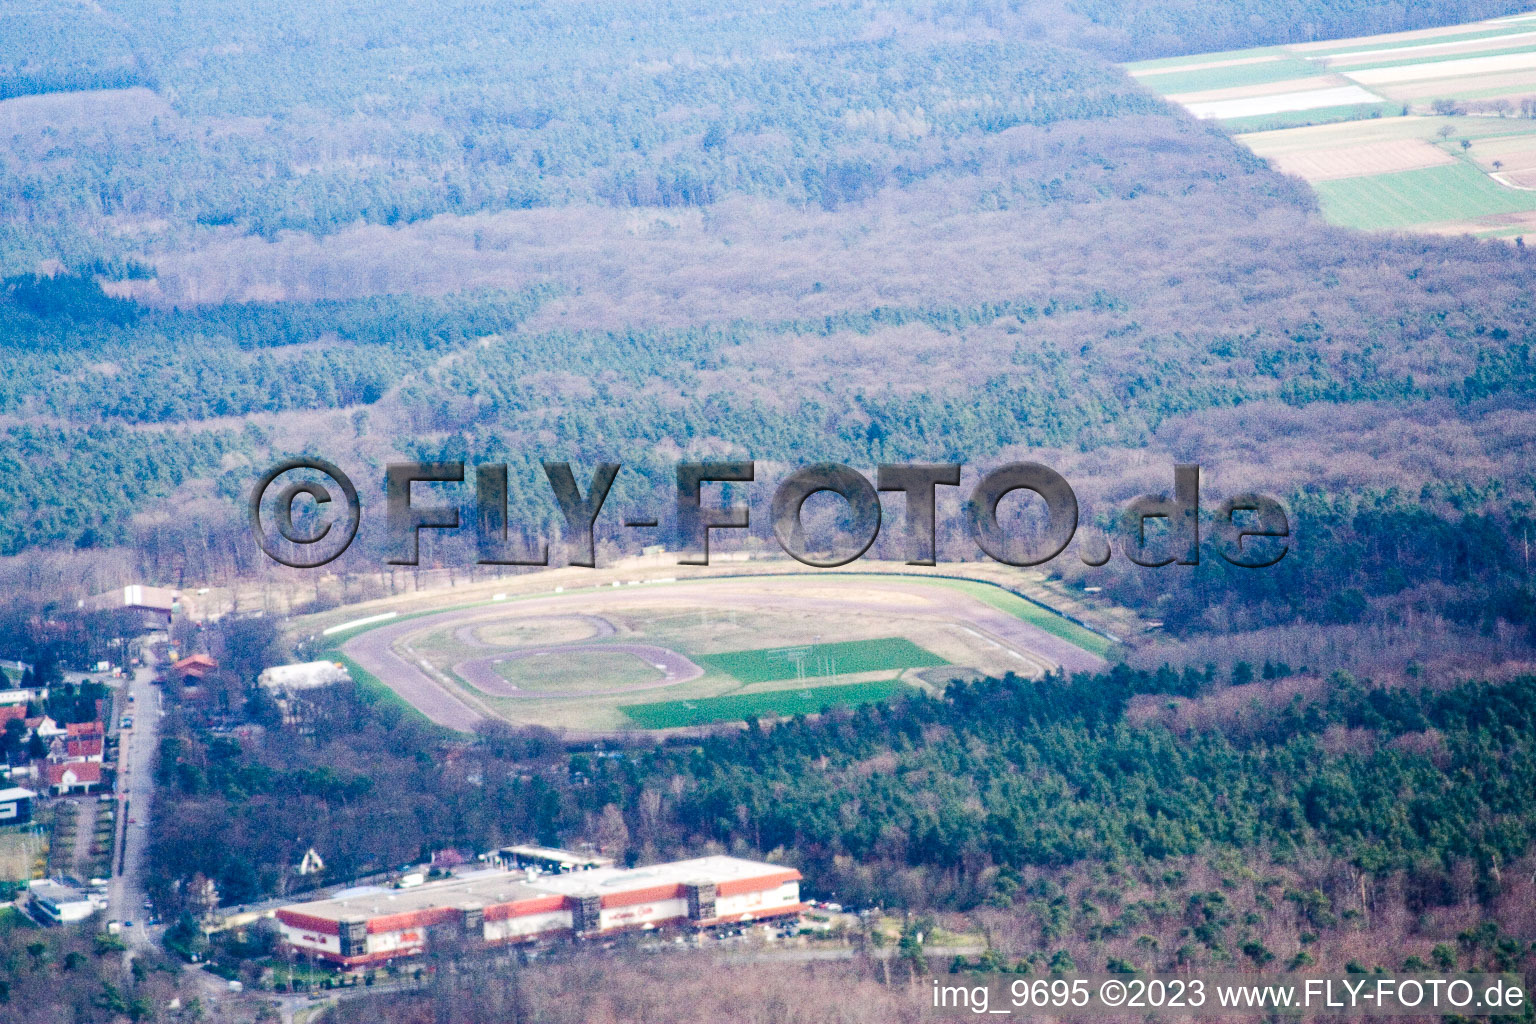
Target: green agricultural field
{"type": "Point", "coordinates": [1276, 143]}
{"type": "Point", "coordinates": [1393, 190]}
{"type": "Point", "coordinates": [1523, 46]}
{"type": "Point", "coordinates": [1461, 95]}
{"type": "Point", "coordinates": [1355, 45]}
{"type": "Point", "coordinates": [1307, 118]}
{"type": "Point", "coordinates": [812, 660]}
{"type": "Point", "coordinates": [674, 714]}
{"type": "Point", "coordinates": [1171, 83]}
{"type": "Point", "coordinates": [1404, 199]}
{"type": "Point", "coordinates": [1160, 63]}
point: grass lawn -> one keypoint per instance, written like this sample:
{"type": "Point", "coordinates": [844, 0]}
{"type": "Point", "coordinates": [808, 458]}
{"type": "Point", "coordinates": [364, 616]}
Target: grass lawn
{"type": "Point", "coordinates": [1030, 612]}
{"type": "Point", "coordinates": [846, 658]}
{"type": "Point", "coordinates": [20, 850]}
{"type": "Point", "coordinates": [1406, 198]}
{"type": "Point", "coordinates": [577, 671]}
{"type": "Point", "coordinates": [375, 692]}
{"type": "Point", "coordinates": [774, 703]}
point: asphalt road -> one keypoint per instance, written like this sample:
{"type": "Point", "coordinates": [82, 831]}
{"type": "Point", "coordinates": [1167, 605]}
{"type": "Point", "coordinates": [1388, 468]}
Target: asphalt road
{"type": "Point", "coordinates": [135, 796]}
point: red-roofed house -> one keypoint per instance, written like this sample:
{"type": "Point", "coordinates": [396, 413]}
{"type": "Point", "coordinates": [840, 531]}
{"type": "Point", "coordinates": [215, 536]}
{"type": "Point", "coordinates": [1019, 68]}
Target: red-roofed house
{"type": "Point", "coordinates": [193, 668]}
{"type": "Point", "coordinates": [72, 777]}
{"type": "Point", "coordinates": [85, 748]}
{"type": "Point", "coordinates": [9, 712]}
{"type": "Point", "coordinates": [84, 730]}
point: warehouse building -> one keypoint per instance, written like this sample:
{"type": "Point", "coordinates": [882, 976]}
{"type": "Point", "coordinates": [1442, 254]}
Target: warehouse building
{"type": "Point", "coordinates": [151, 608]}
{"type": "Point", "coordinates": [369, 927]}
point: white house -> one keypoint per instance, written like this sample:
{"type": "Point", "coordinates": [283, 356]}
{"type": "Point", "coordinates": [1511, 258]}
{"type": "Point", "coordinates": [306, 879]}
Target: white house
{"type": "Point", "coordinates": [72, 776]}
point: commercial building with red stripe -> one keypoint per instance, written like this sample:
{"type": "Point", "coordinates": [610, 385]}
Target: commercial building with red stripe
{"type": "Point", "coordinates": [375, 925]}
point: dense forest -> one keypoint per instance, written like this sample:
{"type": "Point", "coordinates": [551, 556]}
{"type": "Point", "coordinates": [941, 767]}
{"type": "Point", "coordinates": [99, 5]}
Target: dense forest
{"type": "Point", "coordinates": [739, 244]}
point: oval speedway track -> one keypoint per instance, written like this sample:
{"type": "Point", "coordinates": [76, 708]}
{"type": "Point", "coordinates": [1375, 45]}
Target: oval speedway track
{"type": "Point", "coordinates": [449, 704]}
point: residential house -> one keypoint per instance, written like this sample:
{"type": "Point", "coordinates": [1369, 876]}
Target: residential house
{"type": "Point", "coordinates": [192, 669]}
{"type": "Point", "coordinates": [64, 778]}
{"type": "Point", "coordinates": [85, 730]}
{"type": "Point", "coordinates": [83, 748]}
{"type": "Point", "coordinates": [312, 863]}
{"type": "Point", "coordinates": [45, 727]}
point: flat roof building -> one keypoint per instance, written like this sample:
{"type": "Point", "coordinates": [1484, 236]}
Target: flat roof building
{"type": "Point", "coordinates": [52, 902]}
{"type": "Point", "coordinates": [23, 695]}
{"type": "Point", "coordinates": [495, 907]}
{"type": "Point", "coordinates": [304, 675]}
{"type": "Point", "coordinates": [16, 805]}
{"type": "Point", "coordinates": [549, 859]}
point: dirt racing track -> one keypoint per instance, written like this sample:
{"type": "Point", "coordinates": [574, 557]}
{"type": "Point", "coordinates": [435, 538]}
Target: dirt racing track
{"type": "Point", "coordinates": [386, 651]}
